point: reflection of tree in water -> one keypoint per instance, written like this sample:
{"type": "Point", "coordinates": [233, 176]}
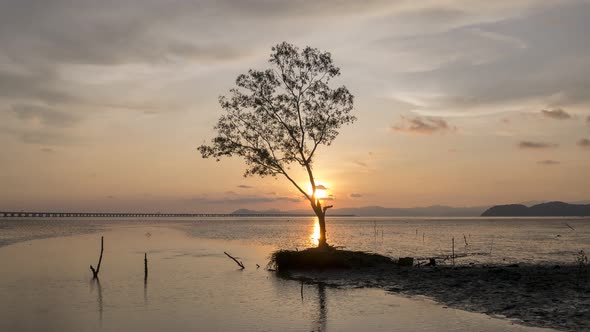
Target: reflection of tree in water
{"type": "Point", "coordinates": [322, 310]}
{"type": "Point", "coordinates": [96, 283]}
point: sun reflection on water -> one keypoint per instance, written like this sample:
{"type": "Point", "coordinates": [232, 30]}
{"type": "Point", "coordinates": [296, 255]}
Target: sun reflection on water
{"type": "Point", "coordinates": [315, 234]}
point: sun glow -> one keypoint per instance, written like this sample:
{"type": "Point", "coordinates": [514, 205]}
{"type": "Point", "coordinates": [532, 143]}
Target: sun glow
{"type": "Point", "coordinates": [321, 190]}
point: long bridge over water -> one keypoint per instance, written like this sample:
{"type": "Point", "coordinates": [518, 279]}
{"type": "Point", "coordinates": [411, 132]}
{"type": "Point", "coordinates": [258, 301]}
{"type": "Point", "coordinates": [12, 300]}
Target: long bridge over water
{"type": "Point", "coordinates": [22, 214]}
{"type": "Point", "coordinates": [11, 214]}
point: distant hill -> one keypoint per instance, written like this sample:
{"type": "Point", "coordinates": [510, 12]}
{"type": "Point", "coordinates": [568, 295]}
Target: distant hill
{"type": "Point", "coordinates": [531, 203]}
{"type": "Point", "coordinates": [379, 211]}
{"type": "Point", "coordinates": [550, 209]}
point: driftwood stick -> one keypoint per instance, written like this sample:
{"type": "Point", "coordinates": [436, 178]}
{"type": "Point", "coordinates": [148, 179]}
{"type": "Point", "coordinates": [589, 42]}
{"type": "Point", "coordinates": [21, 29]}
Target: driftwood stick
{"type": "Point", "coordinates": [240, 264]}
{"type": "Point", "coordinates": [145, 267]}
{"type": "Point", "coordinates": [95, 271]}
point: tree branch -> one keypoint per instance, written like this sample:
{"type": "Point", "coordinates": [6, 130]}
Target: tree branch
{"type": "Point", "coordinates": [240, 264]}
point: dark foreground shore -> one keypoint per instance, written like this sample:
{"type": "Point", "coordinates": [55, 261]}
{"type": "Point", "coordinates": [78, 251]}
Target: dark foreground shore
{"type": "Point", "coordinates": [536, 295]}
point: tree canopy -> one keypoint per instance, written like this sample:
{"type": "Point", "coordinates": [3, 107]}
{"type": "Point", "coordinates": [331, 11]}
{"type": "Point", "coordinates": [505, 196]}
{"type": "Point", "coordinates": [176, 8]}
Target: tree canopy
{"type": "Point", "coordinates": [278, 117]}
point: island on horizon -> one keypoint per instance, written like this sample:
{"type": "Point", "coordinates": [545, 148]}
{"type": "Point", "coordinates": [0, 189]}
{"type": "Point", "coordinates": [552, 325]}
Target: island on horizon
{"type": "Point", "coordinates": [549, 209]}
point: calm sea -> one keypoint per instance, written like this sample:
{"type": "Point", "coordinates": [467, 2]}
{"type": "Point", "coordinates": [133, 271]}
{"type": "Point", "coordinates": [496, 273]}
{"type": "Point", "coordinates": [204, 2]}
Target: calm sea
{"type": "Point", "coordinates": [46, 285]}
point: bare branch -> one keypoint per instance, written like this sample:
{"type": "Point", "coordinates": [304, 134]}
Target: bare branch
{"type": "Point", "coordinates": [240, 264]}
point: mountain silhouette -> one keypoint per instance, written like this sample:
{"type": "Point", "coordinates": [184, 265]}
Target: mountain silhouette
{"type": "Point", "coordinates": [550, 209]}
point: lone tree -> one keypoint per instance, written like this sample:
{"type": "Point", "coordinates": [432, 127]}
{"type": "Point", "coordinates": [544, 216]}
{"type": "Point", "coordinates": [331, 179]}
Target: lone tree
{"type": "Point", "coordinates": [280, 116]}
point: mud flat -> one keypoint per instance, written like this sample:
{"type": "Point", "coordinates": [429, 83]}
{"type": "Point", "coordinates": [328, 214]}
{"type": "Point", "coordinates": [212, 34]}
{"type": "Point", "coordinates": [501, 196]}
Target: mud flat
{"type": "Point", "coordinates": [551, 296]}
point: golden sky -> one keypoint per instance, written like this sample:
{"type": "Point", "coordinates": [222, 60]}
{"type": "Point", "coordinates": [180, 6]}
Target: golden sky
{"type": "Point", "coordinates": [461, 103]}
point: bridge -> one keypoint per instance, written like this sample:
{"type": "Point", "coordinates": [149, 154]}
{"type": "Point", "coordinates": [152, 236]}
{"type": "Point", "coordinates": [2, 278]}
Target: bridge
{"type": "Point", "coordinates": [22, 214]}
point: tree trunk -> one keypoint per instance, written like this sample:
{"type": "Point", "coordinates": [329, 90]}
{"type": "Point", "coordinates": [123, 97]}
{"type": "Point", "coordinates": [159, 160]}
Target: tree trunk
{"type": "Point", "coordinates": [322, 243]}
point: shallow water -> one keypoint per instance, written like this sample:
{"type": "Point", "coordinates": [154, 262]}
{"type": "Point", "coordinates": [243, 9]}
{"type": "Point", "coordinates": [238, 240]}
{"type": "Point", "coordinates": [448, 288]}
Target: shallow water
{"type": "Point", "coordinates": [481, 240]}
{"type": "Point", "coordinates": [46, 283]}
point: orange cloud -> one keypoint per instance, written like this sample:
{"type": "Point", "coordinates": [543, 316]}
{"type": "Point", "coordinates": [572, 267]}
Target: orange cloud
{"type": "Point", "coordinates": [536, 145]}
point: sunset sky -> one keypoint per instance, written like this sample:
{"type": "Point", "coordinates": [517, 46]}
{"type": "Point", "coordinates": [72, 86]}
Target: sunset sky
{"type": "Point", "coordinates": [461, 103]}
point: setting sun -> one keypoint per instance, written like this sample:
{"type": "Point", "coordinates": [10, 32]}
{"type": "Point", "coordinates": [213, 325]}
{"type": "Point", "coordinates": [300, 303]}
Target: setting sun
{"type": "Point", "coordinates": [321, 191]}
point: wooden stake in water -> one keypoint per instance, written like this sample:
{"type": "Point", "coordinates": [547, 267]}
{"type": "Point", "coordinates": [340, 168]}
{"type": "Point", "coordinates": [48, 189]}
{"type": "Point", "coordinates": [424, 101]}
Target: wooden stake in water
{"type": "Point", "coordinates": [145, 268]}
{"type": "Point", "coordinates": [95, 271]}
{"type": "Point", "coordinates": [375, 228]}
{"type": "Point", "coordinates": [453, 256]}
{"type": "Point", "coordinates": [301, 290]}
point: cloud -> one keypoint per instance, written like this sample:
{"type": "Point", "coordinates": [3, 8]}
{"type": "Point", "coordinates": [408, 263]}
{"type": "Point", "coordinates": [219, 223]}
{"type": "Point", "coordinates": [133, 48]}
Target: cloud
{"type": "Point", "coordinates": [548, 162]}
{"type": "Point", "coordinates": [535, 63]}
{"type": "Point", "coordinates": [42, 125]}
{"type": "Point", "coordinates": [360, 163]}
{"type": "Point", "coordinates": [355, 195]}
{"type": "Point", "coordinates": [132, 32]}
{"type": "Point", "coordinates": [44, 137]}
{"type": "Point", "coordinates": [557, 114]}
{"type": "Point", "coordinates": [536, 145]}
{"type": "Point", "coordinates": [422, 125]}
{"type": "Point", "coordinates": [263, 9]}
{"type": "Point", "coordinates": [43, 34]}
{"type": "Point", "coordinates": [47, 150]}
{"type": "Point", "coordinates": [83, 54]}
{"type": "Point", "coordinates": [32, 84]}
{"type": "Point", "coordinates": [243, 186]}
{"type": "Point", "coordinates": [584, 143]}
{"type": "Point", "coordinates": [465, 45]}
{"type": "Point", "coordinates": [321, 187]}
{"type": "Point", "coordinates": [45, 115]}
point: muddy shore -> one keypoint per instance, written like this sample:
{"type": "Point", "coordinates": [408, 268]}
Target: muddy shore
{"type": "Point", "coordinates": [552, 296]}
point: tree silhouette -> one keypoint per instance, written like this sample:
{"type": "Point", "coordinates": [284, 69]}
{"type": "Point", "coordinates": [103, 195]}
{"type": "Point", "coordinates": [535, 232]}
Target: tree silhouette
{"type": "Point", "coordinates": [279, 117]}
